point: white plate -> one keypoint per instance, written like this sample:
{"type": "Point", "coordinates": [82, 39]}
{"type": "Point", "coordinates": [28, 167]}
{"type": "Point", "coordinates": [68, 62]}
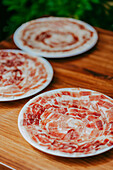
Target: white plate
{"type": "Point", "coordinates": [33, 83]}
{"type": "Point", "coordinates": [33, 128]}
{"type": "Point", "coordinates": [55, 37]}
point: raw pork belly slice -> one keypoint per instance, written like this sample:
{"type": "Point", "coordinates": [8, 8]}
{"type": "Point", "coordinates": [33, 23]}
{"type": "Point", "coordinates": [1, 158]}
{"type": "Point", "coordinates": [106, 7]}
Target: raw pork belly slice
{"type": "Point", "coordinates": [55, 37]}
{"type": "Point", "coordinates": [22, 75]}
{"type": "Point", "coordinates": [70, 121]}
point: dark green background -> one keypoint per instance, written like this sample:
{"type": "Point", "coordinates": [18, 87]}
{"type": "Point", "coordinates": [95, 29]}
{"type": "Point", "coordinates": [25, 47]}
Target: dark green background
{"type": "Point", "coordinates": [15, 12]}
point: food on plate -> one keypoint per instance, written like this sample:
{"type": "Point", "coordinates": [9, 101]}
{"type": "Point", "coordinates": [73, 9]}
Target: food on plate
{"type": "Point", "coordinates": [73, 122]}
{"type": "Point", "coordinates": [22, 75]}
{"type": "Point", "coordinates": [55, 37]}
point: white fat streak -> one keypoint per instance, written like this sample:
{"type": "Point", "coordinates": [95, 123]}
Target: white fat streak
{"type": "Point", "coordinates": [74, 123]}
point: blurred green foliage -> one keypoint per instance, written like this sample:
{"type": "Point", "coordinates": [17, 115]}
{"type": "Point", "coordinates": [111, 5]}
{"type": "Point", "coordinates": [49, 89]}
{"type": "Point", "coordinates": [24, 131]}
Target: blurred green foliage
{"type": "Point", "coordinates": [96, 12]}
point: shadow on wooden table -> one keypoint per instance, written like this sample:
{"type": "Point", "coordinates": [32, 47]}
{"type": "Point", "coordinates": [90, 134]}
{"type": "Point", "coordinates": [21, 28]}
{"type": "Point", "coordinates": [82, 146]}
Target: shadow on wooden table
{"type": "Point", "coordinates": [83, 162]}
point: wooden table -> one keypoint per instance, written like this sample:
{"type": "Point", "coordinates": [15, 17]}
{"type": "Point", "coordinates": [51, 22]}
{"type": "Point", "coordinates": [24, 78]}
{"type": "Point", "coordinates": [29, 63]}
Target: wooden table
{"type": "Point", "coordinates": [91, 70]}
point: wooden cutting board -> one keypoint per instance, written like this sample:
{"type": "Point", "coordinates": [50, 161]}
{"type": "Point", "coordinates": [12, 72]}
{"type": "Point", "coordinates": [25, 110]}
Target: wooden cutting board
{"type": "Point", "coordinates": [92, 70]}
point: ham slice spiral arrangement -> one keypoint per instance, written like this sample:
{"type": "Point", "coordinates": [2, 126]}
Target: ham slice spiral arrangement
{"type": "Point", "coordinates": [22, 75]}
{"type": "Point", "coordinates": [68, 122]}
{"type": "Point", "coordinates": [55, 37]}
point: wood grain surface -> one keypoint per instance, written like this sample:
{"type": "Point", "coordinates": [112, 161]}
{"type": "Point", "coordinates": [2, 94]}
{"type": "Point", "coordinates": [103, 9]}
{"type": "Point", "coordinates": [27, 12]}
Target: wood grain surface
{"type": "Point", "coordinates": [91, 70]}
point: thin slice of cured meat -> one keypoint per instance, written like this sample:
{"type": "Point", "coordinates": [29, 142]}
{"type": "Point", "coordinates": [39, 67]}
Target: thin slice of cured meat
{"type": "Point", "coordinates": [70, 121]}
{"type": "Point", "coordinates": [22, 75]}
{"type": "Point", "coordinates": [55, 37]}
